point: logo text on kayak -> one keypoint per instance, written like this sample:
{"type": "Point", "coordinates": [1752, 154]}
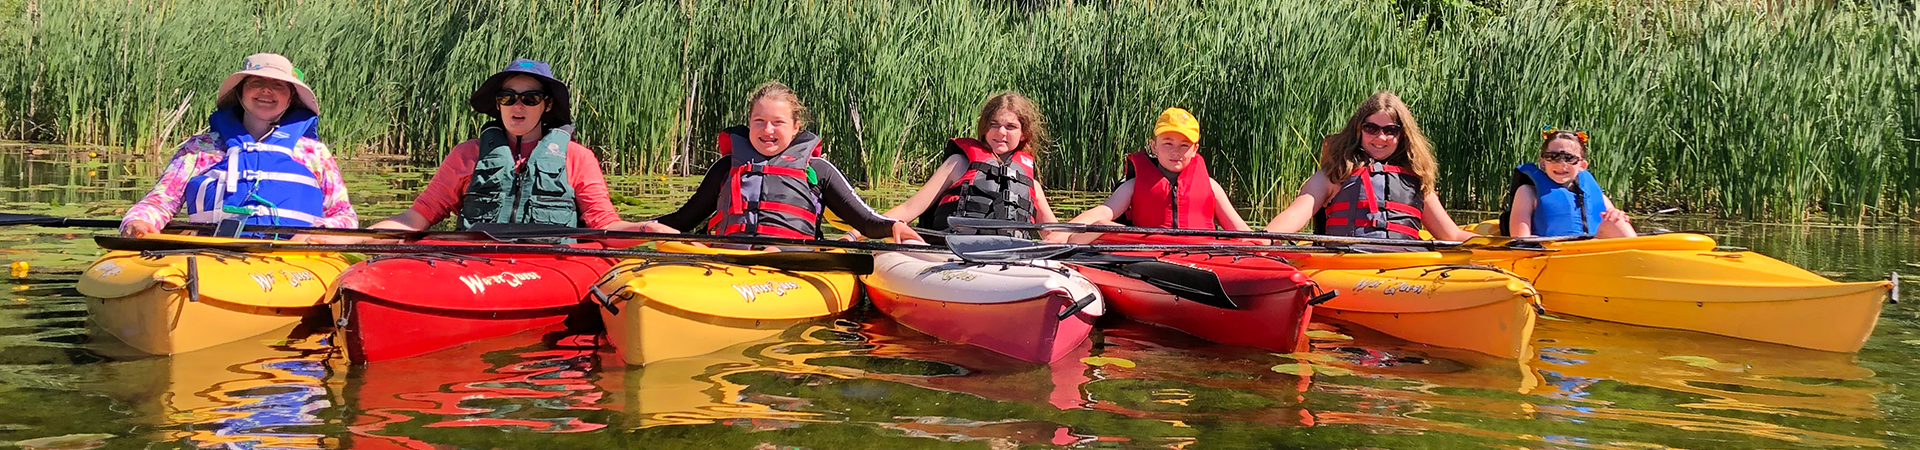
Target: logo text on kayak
{"type": "Point", "coordinates": [107, 269]}
{"type": "Point", "coordinates": [478, 283]}
{"type": "Point", "coordinates": [949, 274]}
{"type": "Point", "coordinates": [750, 290]}
{"type": "Point", "coordinates": [265, 279]}
{"type": "Point", "coordinates": [1389, 289]}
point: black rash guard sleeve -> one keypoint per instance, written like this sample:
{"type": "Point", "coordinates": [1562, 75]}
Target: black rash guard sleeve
{"type": "Point", "coordinates": [836, 193]}
{"type": "Point", "coordinates": [707, 197]}
{"type": "Point", "coordinates": [839, 197]}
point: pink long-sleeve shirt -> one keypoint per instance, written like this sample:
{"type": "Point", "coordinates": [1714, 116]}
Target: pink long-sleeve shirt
{"type": "Point", "coordinates": [441, 198]}
{"type": "Point", "coordinates": [202, 151]}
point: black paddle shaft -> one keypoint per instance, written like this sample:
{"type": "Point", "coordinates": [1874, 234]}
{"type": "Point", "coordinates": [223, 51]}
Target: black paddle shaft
{"type": "Point", "coordinates": [511, 231]}
{"type": "Point", "coordinates": [968, 222]}
{"type": "Point", "coordinates": [855, 263]}
{"type": "Point", "coordinates": [51, 221]}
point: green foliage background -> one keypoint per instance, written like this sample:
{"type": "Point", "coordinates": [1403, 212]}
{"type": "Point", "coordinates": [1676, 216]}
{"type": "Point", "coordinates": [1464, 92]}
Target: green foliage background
{"type": "Point", "coordinates": [1735, 108]}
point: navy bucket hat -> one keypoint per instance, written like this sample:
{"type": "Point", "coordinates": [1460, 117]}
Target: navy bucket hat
{"type": "Point", "coordinates": [561, 113]}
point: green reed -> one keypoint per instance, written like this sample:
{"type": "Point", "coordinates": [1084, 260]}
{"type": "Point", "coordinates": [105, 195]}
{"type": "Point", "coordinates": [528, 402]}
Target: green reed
{"type": "Point", "coordinates": [1712, 107]}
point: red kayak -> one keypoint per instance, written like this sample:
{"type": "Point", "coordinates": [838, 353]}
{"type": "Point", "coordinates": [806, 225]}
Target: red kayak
{"type": "Point", "coordinates": [1272, 296]}
{"type": "Point", "coordinates": [394, 307]}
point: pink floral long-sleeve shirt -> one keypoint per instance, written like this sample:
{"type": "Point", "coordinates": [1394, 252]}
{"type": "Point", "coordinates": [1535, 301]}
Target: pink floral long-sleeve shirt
{"type": "Point", "coordinates": [202, 151]}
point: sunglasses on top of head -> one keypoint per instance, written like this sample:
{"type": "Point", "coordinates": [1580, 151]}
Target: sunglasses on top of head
{"type": "Point", "coordinates": [507, 97]}
{"type": "Point", "coordinates": [1371, 128]}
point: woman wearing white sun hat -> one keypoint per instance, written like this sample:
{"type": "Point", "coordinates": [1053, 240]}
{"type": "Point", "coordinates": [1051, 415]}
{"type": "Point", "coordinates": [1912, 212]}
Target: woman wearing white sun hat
{"type": "Point", "coordinates": [260, 161]}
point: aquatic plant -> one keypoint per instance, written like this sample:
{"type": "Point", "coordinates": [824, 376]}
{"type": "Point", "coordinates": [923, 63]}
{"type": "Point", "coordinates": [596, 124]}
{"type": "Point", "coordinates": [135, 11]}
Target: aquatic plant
{"type": "Point", "coordinates": [1722, 107]}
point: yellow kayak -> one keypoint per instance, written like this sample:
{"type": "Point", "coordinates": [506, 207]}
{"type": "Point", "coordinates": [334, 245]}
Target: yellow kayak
{"type": "Point", "coordinates": [1677, 280]}
{"type": "Point", "coordinates": [665, 309]}
{"type": "Point", "coordinates": [1431, 298]}
{"type": "Point", "coordinates": [181, 302]}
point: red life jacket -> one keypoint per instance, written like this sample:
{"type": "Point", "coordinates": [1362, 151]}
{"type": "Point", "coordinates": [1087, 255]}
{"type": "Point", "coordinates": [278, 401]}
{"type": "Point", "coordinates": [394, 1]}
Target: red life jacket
{"type": "Point", "coordinates": [1182, 202]}
{"type": "Point", "coordinates": [1378, 200]}
{"type": "Point", "coordinates": [993, 187]}
{"type": "Point", "coordinates": [774, 196]}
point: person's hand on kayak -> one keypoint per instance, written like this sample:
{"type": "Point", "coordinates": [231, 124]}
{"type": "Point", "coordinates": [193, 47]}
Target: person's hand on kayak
{"type": "Point", "coordinates": [657, 227]}
{"type": "Point", "coordinates": [1057, 237]}
{"type": "Point", "coordinates": [903, 233]}
{"type": "Point", "coordinates": [1614, 215]}
{"type": "Point", "coordinates": [138, 228]}
{"type": "Point", "coordinates": [329, 239]}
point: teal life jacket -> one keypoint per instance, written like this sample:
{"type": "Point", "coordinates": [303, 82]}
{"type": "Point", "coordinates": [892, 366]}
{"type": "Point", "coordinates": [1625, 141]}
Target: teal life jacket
{"type": "Point", "coordinates": [539, 192]}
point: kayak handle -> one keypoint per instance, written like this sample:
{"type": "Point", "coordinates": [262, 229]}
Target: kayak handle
{"type": "Point", "coordinates": [1078, 305]}
{"type": "Point", "coordinates": [1323, 297]}
{"type": "Point", "coordinates": [601, 298]}
{"type": "Point", "coordinates": [193, 279]}
{"type": "Point", "coordinates": [1893, 295]}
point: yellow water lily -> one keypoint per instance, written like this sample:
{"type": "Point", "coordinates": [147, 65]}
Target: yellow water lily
{"type": "Point", "coordinates": [1106, 360]}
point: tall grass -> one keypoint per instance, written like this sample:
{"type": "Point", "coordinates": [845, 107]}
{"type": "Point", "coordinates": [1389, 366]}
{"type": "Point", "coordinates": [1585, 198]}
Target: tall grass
{"type": "Point", "coordinates": [1711, 106]}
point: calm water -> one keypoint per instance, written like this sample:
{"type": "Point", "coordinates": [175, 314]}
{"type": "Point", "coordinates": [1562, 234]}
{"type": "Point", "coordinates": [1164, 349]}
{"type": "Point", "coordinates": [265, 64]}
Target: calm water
{"type": "Point", "coordinates": [864, 382]}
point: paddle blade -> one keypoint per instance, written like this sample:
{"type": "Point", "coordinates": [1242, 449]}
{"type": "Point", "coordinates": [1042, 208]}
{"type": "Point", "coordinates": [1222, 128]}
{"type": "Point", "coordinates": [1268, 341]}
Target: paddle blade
{"type": "Point", "coordinates": [1195, 284]}
{"type": "Point", "coordinates": [996, 248]}
{"type": "Point", "coordinates": [990, 224]}
{"type": "Point", "coordinates": [855, 263]}
{"type": "Point", "coordinates": [146, 245]}
{"type": "Point", "coordinates": [29, 219]}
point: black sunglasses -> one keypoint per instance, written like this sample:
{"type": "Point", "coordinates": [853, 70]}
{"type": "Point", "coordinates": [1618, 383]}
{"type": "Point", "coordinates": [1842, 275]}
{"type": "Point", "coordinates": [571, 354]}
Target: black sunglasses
{"type": "Point", "coordinates": [1561, 157]}
{"type": "Point", "coordinates": [1370, 128]}
{"type": "Point", "coordinates": [506, 97]}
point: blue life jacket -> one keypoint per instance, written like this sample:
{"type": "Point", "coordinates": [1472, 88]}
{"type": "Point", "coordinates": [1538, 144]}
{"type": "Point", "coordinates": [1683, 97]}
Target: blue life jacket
{"type": "Point", "coordinates": [258, 180]}
{"type": "Point", "coordinates": [1561, 210]}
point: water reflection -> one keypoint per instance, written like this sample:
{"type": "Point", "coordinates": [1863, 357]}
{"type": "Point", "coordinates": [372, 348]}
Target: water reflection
{"type": "Point", "coordinates": [866, 382]}
{"type": "Point", "coordinates": [496, 384]}
{"type": "Point", "coordinates": [708, 389]}
{"type": "Point", "coordinates": [251, 394]}
{"type": "Point", "coordinates": [69, 175]}
{"type": "Point", "coordinates": [1695, 382]}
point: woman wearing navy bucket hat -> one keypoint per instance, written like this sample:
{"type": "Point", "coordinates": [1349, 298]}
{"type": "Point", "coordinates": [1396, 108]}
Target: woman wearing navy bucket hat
{"type": "Point", "coordinates": [524, 167]}
{"type": "Point", "coordinates": [260, 161]}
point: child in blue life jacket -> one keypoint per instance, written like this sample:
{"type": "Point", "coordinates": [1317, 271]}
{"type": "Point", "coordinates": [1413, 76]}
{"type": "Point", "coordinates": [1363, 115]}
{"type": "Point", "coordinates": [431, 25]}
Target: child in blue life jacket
{"type": "Point", "coordinates": [1168, 186]}
{"type": "Point", "coordinates": [1558, 197]}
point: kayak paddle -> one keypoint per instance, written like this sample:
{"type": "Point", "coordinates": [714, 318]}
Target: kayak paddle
{"type": "Point", "coordinates": [513, 231]}
{"type": "Point", "coordinates": [1499, 242]}
{"type": "Point", "coordinates": [856, 263]}
{"type": "Point", "coordinates": [51, 221]}
{"type": "Point", "coordinates": [1192, 283]}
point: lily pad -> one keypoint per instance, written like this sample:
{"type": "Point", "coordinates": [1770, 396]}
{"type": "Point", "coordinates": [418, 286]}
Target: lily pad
{"type": "Point", "coordinates": [1313, 357]}
{"type": "Point", "coordinates": [67, 442]}
{"type": "Point", "coordinates": [1708, 363]}
{"type": "Point", "coordinates": [1107, 360]}
{"type": "Point", "coordinates": [1308, 369]}
{"type": "Point", "coordinates": [1324, 334]}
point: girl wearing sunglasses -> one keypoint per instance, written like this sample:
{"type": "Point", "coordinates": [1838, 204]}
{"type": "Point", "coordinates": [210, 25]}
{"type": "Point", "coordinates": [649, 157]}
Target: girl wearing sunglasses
{"type": "Point", "coordinates": [1387, 174]}
{"type": "Point", "coordinates": [1558, 197]}
{"type": "Point", "coordinates": [524, 167]}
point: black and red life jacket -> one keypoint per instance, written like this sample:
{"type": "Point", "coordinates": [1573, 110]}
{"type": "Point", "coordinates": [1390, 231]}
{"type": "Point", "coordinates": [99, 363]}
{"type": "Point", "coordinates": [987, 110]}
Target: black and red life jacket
{"type": "Point", "coordinates": [775, 196]}
{"type": "Point", "coordinates": [1185, 201]}
{"type": "Point", "coordinates": [1378, 200]}
{"type": "Point", "coordinates": [994, 187]}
